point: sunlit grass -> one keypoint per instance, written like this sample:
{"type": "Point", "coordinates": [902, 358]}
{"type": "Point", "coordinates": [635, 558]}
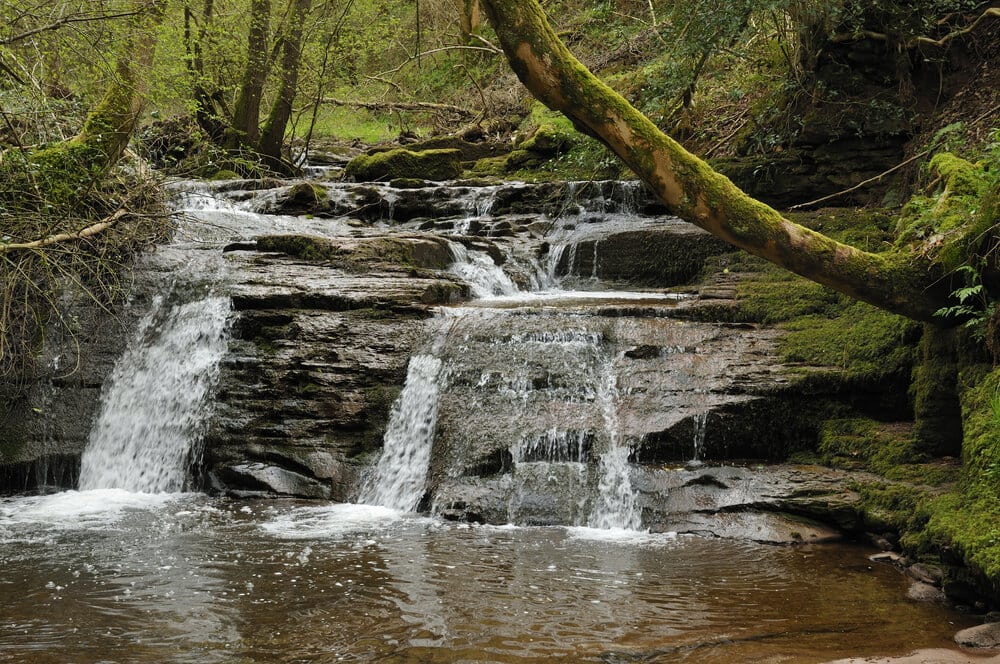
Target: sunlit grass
{"type": "Point", "coordinates": [348, 124]}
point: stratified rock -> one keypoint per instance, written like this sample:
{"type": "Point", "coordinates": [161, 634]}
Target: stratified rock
{"type": "Point", "coordinates": [320, 343]}
{"type": "Point", "coordinates": [401, 163]}
{"type": "Point", "coordinates": [980, 636]}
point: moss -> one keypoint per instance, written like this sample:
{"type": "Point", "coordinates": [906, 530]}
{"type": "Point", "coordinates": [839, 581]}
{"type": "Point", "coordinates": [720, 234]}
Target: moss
{"type": "Point", "coordinates": [778, 296]}
{"type": "Point", "coordinates": [402, 163]}
{"type": "Point", "coordinates": [889, 450]}
{"type": "Point", "coordinates": [549, 133]}
{"type": "Point", "coordinates": [935, 396]}
{"type": "Point", "coordinates": [223, 174]}
{"type": "Point", "coordinates": [961, 178]}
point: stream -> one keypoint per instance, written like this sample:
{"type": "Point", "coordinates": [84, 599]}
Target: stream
{"type": "Point", "coordinates": [549, 377]}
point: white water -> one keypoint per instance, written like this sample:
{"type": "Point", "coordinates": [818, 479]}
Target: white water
{"type": "Point", "coordinates": [485, 277]}
{"type": "Point", "coordinates": [615, 506]}
{"type": "Point", "coordinates": [147, 427]}
{"type": "Point", "coordinates": [401, 473]}
{"type": "Point", "coordinates": [699, 422]}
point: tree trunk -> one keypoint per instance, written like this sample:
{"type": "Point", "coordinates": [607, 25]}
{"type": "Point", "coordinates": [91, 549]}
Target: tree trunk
{"type": "Point", "coordinates": [58, 176]}
{"type": "Point", "coordinates": [110, 125]}
{"type": "Point", "coordinates": [904, 284]}
{"type": "Point", "coordinates": [469, 20]}
{"type": "Point", "coordinates": [246, 114]}
{"type": "Point", "coordinates": [273, 132]}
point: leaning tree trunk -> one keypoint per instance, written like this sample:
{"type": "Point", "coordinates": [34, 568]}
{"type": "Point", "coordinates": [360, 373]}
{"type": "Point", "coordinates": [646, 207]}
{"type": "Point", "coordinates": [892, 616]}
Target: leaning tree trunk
{"type": "Point", "coordinates": [273, 132]}
{"type": "Point", "coordinates": [690, 189]}
{"type": "Point", "coordinates": [59, 175]}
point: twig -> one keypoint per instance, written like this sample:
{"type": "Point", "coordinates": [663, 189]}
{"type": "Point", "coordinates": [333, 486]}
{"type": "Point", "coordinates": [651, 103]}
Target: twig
{"type": "Point", "coordinates": [863, 183]}
{"type": "Point", "coordinates": [89, 231]}
{"type": "Point", "coordinates": [55, 25]}
{"type": "Point", "coordinates": [988, 114]}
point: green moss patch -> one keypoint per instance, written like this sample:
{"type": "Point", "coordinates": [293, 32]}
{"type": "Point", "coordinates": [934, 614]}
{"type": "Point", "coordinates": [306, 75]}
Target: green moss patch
{"type": "Point", "coordinates": [401, 163]}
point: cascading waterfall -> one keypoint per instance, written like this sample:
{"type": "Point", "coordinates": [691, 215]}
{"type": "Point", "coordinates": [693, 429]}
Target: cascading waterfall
{"type": "Point", "coordinates": [143, 438]}
{"type": "Point", "coordinates": [483, 275]}
{"type": "Point", "coordinates": [399, 478]}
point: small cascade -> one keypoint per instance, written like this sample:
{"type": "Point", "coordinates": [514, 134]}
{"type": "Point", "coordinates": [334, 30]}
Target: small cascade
{"type": "Point", "coordinates": [616, 501]}
{"type": "Point", "coordinates": [554, 445]}
{"type": "Point", "coordinates": [476, 268]}
{"type": "Point", "coordinates": [401, 473]}
{"type": "Point", "coordinates": [699, 422]}
{"type": "Point", "coordinates": [145, 436]}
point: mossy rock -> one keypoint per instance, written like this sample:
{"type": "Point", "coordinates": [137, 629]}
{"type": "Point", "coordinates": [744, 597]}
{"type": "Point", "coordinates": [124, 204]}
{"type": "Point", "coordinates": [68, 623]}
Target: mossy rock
{"type": "Point", "coordinates": [401, 163]}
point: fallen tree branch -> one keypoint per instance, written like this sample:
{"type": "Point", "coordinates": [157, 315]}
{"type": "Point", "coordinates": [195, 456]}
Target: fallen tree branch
{"type": "Point", "coordinates": [992, 11]}
{"type": "Point", "coordinates": [401, 106]}
{"type": "Point", "coordinates": [84, 233]}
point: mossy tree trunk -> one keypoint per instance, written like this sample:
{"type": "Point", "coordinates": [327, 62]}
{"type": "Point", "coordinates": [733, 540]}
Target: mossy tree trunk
{"type": "Point", "coordinates": [59, 175]}
{"type": "Point", "coordinates": [273, 132]}
{"type": "Point", "coordinates": [903, 284]}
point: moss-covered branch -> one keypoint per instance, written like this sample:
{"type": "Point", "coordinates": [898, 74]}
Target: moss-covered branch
{"type": "Point", "coordinates": [904, 284]}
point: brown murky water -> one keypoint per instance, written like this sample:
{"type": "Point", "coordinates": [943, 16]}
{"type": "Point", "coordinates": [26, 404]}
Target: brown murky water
{"type": "Point", "coordinates": [108, 576]}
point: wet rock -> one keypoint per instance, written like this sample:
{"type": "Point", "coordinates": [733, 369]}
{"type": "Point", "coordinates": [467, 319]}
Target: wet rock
{"type": "Point", "coordinates": [669, 254]}
{"type": "Point", "coordinates": [925, 592]}
{"type": "Point", "coordinates": [321, 340]}
{"type": "Point", "coordinates": [300, 199]}
{"type": "Point", "coordinates": [889, 558]}
{"type": "Point", "coordinates": [981, 636]}
{"type": "Point", "coordinates": [930, 574]}
{"type": "Point", "coordinates": [270, 479]}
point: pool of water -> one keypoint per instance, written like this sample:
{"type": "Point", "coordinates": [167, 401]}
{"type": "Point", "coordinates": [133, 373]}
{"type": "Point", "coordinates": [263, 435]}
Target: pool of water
{"type": "Point", "coordinates": [110, 576]}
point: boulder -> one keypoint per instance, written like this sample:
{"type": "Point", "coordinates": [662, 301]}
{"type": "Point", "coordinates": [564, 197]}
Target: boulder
{"type": "Point", "coordinates": [444, 164]}
{"type": "Point", "coordinates": [980, 636]}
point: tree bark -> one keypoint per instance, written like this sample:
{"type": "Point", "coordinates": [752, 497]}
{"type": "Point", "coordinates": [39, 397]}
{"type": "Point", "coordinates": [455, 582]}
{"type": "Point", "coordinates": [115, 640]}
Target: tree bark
{"type": "Point", "coordinates": [690, 189]}
{"type": "Point", "coordinates": [246, 113]}
{"type": "Point", "coordinates": [273, 132]}
{"type": "Point", "coordinates": [110, 125]}
{"type": "Point", "coordinates": [469, 19]}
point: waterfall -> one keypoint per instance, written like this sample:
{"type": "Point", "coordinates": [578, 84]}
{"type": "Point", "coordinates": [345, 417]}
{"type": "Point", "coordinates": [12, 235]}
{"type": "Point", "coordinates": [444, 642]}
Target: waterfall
{"type": "Point", "coordinates": [699, 422]}
{"type": "Point", "coordinates": [616, 501]}
{"type": "Point", "coordinates": [155, 399]}
{"type": "Point", "coordinates": [401, 473]}
{"type": "Point", "coordinates": [480, 272]}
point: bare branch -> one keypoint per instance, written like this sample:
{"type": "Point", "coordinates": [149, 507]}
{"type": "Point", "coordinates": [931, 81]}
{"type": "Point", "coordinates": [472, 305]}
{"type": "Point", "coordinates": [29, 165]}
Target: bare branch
{"type": "Point", "coordinates": [67, 20]}
{"type": "Point", "coordinates": [84, 233]}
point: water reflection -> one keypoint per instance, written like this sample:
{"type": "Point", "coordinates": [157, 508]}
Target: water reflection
{"type": "Point", "coordinates": [192, 579]}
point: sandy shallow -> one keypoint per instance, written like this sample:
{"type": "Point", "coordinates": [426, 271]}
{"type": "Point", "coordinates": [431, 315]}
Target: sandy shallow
{"type": "Point", "coordinates": [932, 656]}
